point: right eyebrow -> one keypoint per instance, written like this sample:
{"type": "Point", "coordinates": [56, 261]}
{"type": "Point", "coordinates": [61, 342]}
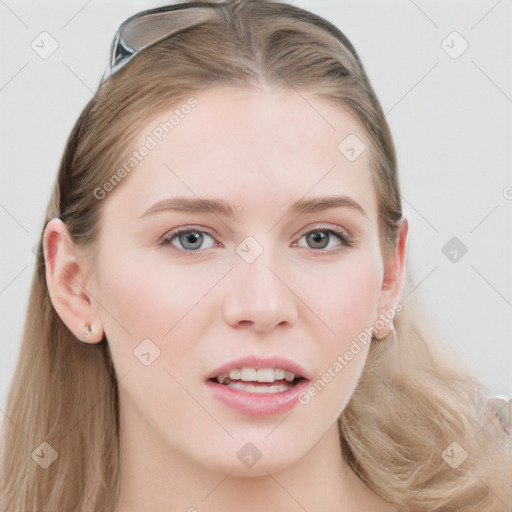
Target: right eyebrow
{"type": "Point", "coordinates": [225, 208]}
{"type": "Point", "coordinates": [193, 205]}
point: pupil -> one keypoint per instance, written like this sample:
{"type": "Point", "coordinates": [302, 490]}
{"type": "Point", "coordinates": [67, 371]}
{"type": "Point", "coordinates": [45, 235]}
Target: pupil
{"type": "Point", "coordinates": [193, 238]}
{"type": "Point", "coordinates": [319, 237]}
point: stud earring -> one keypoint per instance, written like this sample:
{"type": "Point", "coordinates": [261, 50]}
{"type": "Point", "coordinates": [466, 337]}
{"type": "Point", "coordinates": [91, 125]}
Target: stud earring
{"type": "Point", "coordinates": [87, 330]}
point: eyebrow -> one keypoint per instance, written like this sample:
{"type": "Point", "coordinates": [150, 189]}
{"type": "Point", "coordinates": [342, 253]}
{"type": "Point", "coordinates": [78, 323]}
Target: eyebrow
{"type": "Point", "coordinates": [221, 207]}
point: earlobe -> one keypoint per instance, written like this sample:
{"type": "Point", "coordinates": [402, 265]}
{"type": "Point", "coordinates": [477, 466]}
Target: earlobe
{"type": "Point", "coordinates": [393, 280]}
{"type": "Point", "coordinates": [66, 278]}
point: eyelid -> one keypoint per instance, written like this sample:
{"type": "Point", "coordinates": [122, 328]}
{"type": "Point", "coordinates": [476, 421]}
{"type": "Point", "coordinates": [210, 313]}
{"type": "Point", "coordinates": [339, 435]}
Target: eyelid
{"type": "Point", "coordinates": [169, 235]}
{"type": "Point", "coordinates": [346, 239]}
{"type": "Point", "coordinates": [343, 235]}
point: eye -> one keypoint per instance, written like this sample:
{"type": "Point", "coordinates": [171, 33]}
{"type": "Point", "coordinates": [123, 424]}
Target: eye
{"type": "Point", "coordinates": [188, 239]}
{"type": "Point", "coordinates": [193, 239]}
{"type": "Point", "coordinates": [321, 238]}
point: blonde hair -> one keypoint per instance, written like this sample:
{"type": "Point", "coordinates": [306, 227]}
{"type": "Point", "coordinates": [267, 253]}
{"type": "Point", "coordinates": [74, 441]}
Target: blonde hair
{"type": "Point", "coordinates": [401, 418]}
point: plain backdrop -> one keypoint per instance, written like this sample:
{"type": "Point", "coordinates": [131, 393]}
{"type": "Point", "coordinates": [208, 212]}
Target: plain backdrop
{"type": "Point", "coordinates": [442, 71]}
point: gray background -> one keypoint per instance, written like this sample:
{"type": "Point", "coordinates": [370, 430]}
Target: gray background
{"type": "Point", "coordinates": [451, 120]}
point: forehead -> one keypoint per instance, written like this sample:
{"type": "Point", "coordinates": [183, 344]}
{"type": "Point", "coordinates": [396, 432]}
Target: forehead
{"type": "Point", "coordinates": [249, 145]}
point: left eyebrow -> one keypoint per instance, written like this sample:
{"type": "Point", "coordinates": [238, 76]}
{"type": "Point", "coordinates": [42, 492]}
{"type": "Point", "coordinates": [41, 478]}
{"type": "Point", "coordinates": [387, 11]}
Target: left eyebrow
{"type": "Point", "coordinates": [317, 204]}
{"type": "Point", "coordinates": [221, 207]}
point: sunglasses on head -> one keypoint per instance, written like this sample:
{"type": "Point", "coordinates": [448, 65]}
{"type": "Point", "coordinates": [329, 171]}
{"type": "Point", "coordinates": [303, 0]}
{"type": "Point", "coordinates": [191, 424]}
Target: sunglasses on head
{"type": "Point", "coordinates": [147, 28]}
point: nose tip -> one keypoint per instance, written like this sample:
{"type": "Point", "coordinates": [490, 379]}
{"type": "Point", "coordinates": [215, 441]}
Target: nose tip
{"type": "Point", "coordinates": [259, 300]}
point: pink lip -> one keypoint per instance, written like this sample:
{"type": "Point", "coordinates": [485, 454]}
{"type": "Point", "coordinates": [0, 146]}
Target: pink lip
{"type": "Point", "coordinates": [259, 404]}
{"type": "Point", "coordinates": [259, 363]}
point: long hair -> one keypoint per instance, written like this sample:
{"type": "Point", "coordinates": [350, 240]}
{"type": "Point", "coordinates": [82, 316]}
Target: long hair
{"type": "Point", "coordinates": [409, 407]}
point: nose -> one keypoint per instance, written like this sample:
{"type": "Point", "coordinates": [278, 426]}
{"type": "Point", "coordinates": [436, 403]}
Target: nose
{"type": "Point", "coordinates": [259, 298]}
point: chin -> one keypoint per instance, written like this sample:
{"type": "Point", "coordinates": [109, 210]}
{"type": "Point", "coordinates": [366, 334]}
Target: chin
{"type": "Point", "coordinates": [242, 457]}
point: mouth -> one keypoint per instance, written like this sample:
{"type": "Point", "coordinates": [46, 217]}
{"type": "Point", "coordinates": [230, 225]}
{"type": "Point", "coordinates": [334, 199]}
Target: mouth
{"type": "Point", "coordinates": [258, 380]}
{"type": "Point", "coordinates": [259, 386]}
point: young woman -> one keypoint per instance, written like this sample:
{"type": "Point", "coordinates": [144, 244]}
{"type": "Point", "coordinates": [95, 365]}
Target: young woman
{"type": "Point", "coordinates": [216, 320]}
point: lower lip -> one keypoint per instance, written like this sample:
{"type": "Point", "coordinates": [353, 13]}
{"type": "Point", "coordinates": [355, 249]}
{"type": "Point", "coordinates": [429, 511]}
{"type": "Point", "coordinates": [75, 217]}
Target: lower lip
{"type": "Point", "coordinates": [258, 404]}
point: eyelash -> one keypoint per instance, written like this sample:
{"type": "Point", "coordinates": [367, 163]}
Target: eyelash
{"type": "Point", "coordinates": [346, 240]}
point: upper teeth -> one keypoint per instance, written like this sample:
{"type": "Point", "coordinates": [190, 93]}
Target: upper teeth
{"type": "Point", "coordinates": [260, 375]}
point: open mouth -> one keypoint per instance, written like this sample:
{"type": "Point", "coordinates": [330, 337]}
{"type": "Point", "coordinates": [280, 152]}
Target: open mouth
{"type": "Point", "coordinates": [262, 380]}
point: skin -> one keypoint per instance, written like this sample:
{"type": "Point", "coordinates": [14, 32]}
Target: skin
{"type": "Point", "coordinates": [261, 151]}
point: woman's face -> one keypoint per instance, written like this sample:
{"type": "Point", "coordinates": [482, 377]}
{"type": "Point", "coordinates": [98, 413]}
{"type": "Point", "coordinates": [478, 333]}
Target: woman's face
{"type": "Point", "coordinates": [247, 288]}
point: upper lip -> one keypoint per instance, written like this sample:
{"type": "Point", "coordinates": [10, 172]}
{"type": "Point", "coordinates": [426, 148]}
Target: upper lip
{"type": "Point", "coordinates": [260, 362]}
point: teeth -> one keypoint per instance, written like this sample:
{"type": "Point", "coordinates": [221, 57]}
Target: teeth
{"type": "Point", "coordinates": [235, 374]}
{"type": "Point", "coordinates": [251, 388]}
{"type": "Point", "coordinates": [222, 377]}
{"type": "Point", "coordinates": [248, 374]}
{"type": "Point", "coordinates": [279, 374]}
{"type": "Point", "coordinates": [265, 375]}
{"type": "Point", "coordinates": [289, 376]}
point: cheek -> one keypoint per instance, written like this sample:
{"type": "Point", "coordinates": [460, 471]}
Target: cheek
{"type": "Point", "coordinates": [347, 303]}
{"type": "Point", "coordinates": [150, 298]}
{"type": "Point", "coordinates": [344, 297]}
{"type": "Point", "coordinates": [348, 306]}
{"type": "Point", "coordinates": [143, 299]}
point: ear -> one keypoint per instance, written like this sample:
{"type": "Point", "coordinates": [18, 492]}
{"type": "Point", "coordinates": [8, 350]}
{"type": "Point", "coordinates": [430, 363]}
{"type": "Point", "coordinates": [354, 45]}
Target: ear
{"type": "Point", "coordinates": [393, 280]}
{"type": "Point", "coordinates": [66, 278]}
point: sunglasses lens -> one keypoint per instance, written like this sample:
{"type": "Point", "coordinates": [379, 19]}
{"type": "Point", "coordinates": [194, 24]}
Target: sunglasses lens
{"type": "Point", "coordinates": [150, 27]}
